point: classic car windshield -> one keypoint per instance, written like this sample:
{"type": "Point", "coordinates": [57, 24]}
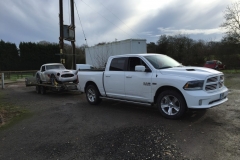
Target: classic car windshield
{"type": "Point", "coordinates": [54, 67]}
{"type": "Point", "coordinates": [162, 61]}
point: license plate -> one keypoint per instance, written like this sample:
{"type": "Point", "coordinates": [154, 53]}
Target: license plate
{"type": "Point", "coordinates": [221, 95]}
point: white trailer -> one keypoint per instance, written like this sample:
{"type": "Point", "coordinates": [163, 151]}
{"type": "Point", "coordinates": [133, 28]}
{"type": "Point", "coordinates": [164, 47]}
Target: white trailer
{"type": "Point", "coordinates": [97, 56]}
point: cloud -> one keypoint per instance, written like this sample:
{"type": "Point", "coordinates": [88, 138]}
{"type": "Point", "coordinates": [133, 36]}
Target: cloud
{"type": "Point", "coordinates": [105, 21]}
{"type": "Point", "coordinates": [172, 31]}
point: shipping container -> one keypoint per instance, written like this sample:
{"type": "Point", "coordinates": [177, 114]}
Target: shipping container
{"type": "Point", "coordinates": [97, 56]}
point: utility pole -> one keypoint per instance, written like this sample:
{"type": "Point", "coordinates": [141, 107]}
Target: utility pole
{"type": "Point", "coordinates": [67, 32]}
{"type": "Point", "coordinates": [61, 42]}
{"type": "Point", "coordinates": [73, 40]}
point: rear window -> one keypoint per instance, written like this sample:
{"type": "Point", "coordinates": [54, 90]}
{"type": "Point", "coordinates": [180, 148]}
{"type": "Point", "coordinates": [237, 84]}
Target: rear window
{"type": "Point", "coordinates": [118, 64]}
{"type": "Point", "coordinates": [210, 62]}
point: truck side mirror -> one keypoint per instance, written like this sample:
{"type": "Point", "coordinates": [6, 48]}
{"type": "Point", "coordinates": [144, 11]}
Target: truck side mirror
{"type": "Point", "coordinates": [140, 68]}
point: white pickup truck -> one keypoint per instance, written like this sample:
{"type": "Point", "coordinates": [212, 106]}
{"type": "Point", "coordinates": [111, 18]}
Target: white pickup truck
{"type": "Point", "coordinates": [155, 79]}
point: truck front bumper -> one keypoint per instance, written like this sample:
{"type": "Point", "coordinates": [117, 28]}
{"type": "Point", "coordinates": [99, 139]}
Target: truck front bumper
{"type": "Point", "coordinates": [202, 99]}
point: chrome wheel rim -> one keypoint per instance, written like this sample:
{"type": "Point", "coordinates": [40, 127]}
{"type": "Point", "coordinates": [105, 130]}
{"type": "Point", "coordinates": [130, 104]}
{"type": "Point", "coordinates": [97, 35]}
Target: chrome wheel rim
{"type": "Point", "coordinates": [170, 105]}
{"type": "Point", "coordinates": [91, 95]}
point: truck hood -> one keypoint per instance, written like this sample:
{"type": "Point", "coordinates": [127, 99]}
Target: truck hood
{"type": "Point", "coordinates": [192, 72]}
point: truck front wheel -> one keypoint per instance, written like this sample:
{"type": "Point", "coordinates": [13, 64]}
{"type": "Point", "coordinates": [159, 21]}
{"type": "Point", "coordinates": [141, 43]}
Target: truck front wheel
{"type": "Point", "coordinates": [92, 95]}
{"type": "Point", "coordinates": [171, 104]}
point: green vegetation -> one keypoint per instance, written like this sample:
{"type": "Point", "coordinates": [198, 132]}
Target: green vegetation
{"type": "Point", "coordinates": [233, 71]}
{"type": "Point", "coordinates": [30, 56]}
{"type": "Point", "coordinates": [10, 114]}
{"type": "Point", "coordinates": [13, 76]}
{"type": "Point", "coordinates": [232, 80]}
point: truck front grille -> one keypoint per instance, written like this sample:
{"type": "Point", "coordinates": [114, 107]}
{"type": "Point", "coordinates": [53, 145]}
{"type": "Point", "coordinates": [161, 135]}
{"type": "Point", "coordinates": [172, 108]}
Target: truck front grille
{"type": "Point", "coordinates": [67, 75]}
{"type": "Point", "coordinates": [214, 83]}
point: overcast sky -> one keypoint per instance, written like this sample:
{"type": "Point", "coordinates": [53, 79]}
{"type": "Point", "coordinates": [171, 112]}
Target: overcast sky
{"type": "Point", "coordinates": [110, 20]}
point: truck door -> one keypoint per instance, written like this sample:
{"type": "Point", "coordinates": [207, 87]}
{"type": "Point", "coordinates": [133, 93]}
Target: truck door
{"type": "Point", "coordinates": [137, 84]}
{"type": "Point", "coordinates": [114, 78]}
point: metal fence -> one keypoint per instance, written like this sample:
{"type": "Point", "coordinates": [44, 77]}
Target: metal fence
{"type": "Point", "coordinates": [13, 76]}
{"type": "Point", "coordinates": [18, 74]}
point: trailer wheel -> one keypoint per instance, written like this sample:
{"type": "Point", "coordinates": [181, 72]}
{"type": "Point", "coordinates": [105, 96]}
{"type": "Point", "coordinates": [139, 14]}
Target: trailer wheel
{"type": "Point", "coordinates": [93, 95]}
{"type": "Point", "coordinates": [38, 89]}
{"type": "Point", "coordinates": [42, 90]}
{"type": "Point", "coordinates": [171, 104]}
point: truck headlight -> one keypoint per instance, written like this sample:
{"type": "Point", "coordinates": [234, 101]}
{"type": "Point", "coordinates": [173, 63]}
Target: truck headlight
{"type": "Point", "coordinates": [194, 85]}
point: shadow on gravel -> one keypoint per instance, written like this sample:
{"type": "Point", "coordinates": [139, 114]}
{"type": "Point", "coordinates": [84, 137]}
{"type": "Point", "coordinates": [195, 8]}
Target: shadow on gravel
{"type": "Point", "coordinates": [193, 115]}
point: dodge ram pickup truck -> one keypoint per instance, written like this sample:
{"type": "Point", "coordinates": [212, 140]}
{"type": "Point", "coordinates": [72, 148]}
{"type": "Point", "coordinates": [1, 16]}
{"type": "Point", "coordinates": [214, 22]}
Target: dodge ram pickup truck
{"type": "Point", "coordinates": [154, 79]}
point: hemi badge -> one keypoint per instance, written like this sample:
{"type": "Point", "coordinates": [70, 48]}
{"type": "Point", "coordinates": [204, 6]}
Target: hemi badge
{"type": "Point", "coordinates": [154, 83]}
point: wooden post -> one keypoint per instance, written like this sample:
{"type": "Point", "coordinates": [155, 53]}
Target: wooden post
{"type": "Point", "coordinates": [2, 79]}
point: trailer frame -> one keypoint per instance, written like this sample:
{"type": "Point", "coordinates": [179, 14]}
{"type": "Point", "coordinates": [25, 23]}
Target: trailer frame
{"type": "Point", "coordinates": [41, 88]}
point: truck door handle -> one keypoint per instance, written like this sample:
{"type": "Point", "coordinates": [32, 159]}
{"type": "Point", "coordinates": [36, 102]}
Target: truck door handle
{"type": "Point", "coordinates": [128, 76]}
{"type": "Point", "coordinates": [107, 75]}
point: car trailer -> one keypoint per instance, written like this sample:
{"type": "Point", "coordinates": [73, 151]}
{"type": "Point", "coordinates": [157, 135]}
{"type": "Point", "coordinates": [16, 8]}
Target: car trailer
{"type": "Point", "coordinates": [41, 88]}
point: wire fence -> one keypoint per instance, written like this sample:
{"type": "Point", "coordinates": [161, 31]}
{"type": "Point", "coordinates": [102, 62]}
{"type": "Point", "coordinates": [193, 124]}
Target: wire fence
{"type": "Point", "coordinates": [14, 75]}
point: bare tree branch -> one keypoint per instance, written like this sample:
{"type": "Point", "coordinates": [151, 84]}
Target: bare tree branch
{"type": "Point", "coordinates": [232, 21]}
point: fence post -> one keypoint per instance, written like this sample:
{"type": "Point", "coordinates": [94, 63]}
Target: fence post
{"type": "Point", "coordinates": [2, 79]}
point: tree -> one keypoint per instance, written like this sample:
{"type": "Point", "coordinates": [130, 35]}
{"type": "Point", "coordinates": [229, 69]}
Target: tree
{"type": "Point", "coordinates": [9, 59]}
{"type": "Point", "coordinates": [232, 22]}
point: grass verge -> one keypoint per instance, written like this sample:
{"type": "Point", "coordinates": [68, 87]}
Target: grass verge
{"type": "Point", "coordinates": [232, 71]}
{"type": "Point", "coordinates": [11, 114]}
{"type": "Point", "coordinates": [232, 81]}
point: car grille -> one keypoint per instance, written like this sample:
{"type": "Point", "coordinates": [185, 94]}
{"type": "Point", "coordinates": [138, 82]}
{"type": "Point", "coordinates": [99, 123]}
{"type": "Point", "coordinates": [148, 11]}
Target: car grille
{"type": "Point", "coordinates": [214, 83]}
{"type": "Point", "coordinates": [67, 75]}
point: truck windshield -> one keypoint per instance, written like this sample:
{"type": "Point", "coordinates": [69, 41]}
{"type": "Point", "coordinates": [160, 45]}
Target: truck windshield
{"type": "Point", "coordinates": [55, 67]}
{"type": "Point", "coordinates": [162, 61]}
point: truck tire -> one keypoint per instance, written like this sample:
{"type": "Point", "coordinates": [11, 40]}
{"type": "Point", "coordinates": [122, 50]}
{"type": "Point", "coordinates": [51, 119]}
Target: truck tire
{"type": "Point", "coordinates": [171, 104]}
{"type": "Point", "coordinates": [92, 95]}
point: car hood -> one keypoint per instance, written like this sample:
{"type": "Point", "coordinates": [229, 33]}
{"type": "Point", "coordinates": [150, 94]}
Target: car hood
{"type": "Point", "coordinates": [191, 72]}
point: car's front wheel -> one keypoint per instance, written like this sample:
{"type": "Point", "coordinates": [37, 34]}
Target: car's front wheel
{"type": "Point", "coordinates": [93, 95]}
{"type": "Point", "coordinates": [53, 80]}
{"type": "Point", "coordinates": [171, 104]}
{"type": "Point", "coordinates": [38, 79]}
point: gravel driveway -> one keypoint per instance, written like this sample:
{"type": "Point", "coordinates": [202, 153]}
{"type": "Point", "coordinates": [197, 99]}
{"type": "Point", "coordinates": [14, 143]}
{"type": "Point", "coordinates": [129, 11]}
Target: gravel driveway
{"type": "Point", "coordinates": [65, 126]}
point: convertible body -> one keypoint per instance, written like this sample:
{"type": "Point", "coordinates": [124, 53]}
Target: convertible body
{"type": "Point", "coordinates": [55, 72]}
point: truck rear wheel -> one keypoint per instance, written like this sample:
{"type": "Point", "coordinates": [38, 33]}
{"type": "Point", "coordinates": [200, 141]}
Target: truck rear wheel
{"type": "Point", "coordinates": [171, 104]}
{"type": "Point", "coordinates": [92, 95]}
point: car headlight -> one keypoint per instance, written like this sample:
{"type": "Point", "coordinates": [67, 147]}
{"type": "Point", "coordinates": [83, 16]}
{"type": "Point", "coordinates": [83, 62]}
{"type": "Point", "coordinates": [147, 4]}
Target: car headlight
{"type": "Point", "coordinates": [194, 85]}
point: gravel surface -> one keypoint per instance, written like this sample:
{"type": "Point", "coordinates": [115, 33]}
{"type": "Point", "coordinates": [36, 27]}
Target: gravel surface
{"type": "Point", "coordinates": [133, 143]}
{"type": "Point", "coordinates": [65, 126]}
